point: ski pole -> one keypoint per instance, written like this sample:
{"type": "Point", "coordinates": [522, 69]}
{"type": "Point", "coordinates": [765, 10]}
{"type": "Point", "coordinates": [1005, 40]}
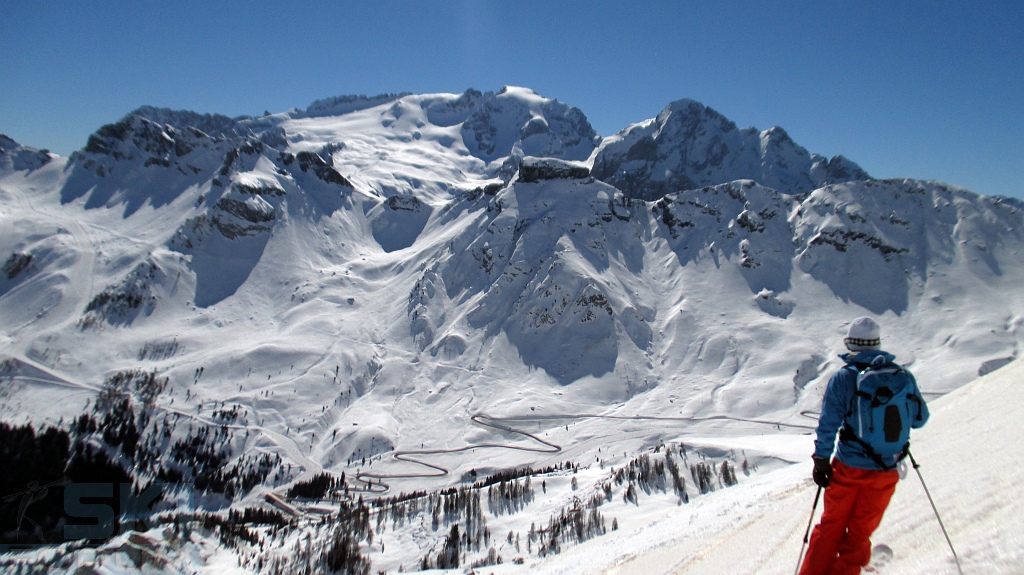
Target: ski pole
{"type": "Point", "coordinates": [807, 533]}
{"type": "Point", "coordinates": [917, 468]}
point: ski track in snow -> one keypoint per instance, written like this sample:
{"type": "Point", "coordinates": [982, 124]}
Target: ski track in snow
{"type": "Point", "coordinates": [373, 482]}
{"type": "Point", "coordinates": [287, 444]}
{"type": "Point", "coordinates": [66, 311]}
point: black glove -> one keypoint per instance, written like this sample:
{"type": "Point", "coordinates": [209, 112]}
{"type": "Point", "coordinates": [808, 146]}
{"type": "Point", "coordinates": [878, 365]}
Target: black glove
{"type": "Point", "coordinates": [822, 473]}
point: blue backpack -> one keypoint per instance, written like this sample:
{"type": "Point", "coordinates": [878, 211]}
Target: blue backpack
{"type": "Point", "coordinates": [880, 415]}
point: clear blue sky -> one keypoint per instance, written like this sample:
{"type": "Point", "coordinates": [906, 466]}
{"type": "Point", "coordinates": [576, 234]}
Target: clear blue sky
{"type": "Point", "coordinates": [923, 89]}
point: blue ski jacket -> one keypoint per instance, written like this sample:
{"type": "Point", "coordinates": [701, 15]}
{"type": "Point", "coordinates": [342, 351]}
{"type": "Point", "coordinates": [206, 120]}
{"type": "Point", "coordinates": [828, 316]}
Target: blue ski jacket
{"type": "Point", "coordinates": [835, 405]}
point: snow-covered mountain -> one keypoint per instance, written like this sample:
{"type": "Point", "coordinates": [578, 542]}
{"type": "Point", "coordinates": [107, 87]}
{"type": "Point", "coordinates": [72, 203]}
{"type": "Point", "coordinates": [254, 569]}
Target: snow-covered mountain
{"type": "Point", "coordinates": [422, 290]}
{"type": "Point", "coordinates": [690, 145]}
{"type": "Point", "coordinates": [15, 157]}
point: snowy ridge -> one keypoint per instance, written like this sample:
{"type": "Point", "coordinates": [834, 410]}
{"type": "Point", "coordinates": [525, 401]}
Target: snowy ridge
{"type": "Point", "coordinates": [421, 290]}
{"type": "Point", "coordinates": [15, 157]}
{"type": "Point", "coordinates": [690, 145]}
{"type": "Point", "coordinates": [341, 105]}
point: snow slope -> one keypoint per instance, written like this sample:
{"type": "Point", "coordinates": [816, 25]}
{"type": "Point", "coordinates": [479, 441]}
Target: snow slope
{"type": "Point", "coordinates": [966, 452]}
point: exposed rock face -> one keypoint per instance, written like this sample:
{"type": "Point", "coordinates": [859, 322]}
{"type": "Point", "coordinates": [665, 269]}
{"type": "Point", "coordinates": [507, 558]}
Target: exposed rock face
{"type": "Point", "coordinates": [248, 210]}
{"type": "Point", "coordinates": [537, 169]}
{"type": "Point", "coordinates": [521, 268]}
{"type": "Point", "coordinates": [251, 195]}
{"type": "Point", "coordinates": [741, 221]}
{"type": "Point", "coordinates": [841, 169]}
{"type": "Point", "coordinates": [158, 135]}
{"type": "Point", "coordinates": [170, 146]}
{"type": "Point", "coordinates": [16, 264]}
{"type": "Point", "coordinates": [152, 156]}
{"type": "Point", "coordinates": [690, 145]}
{"type": "Point", "coordinates": [406, 203]}
{"type": "Point", "coordinates": [15, 157]}
{"type": "Point", "coordinates": [339, 105]}
{"type": "Point", "coordinates": [121, 304]}
{"type": "Point", "coordinates": [310, 161]}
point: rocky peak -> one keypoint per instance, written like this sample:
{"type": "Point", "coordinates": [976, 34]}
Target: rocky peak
{"type": "Point", "coordinates": [159, 132]}
{"type": "Point", "coordinates": [689, 145]}
{"type": "Point", "coordinates": [14, 156]}
{"type": "Point", "coordinates": [842, 169]}
{"type": "Point", "coordinates": [686, 117]}
{"type": "Point", "coordinates": [7, 144]}
{"type": "Point", "coordinates": [536, 169]}
{"type": "Point", "coordinates": [188, 143]}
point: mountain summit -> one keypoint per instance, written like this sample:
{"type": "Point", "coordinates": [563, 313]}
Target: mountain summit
{"type": "Point", "coordinates": [690, 145]}
{"type": "Point", "coordinates": [503, 200]}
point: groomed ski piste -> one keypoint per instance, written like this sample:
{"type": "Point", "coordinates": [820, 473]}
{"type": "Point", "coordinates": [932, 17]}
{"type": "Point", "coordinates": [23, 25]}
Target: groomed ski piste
{"type": "Point", "coordinates": [969, 453]}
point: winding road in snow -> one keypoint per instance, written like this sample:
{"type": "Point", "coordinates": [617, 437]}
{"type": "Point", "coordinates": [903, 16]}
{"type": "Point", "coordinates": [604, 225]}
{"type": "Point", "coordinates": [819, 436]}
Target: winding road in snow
{"type": "Point", "coordinates": [374, 482]}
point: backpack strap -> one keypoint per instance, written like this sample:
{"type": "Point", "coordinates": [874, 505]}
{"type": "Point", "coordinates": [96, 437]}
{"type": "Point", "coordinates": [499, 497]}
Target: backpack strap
{"type": "Point", "coordinates": [857, 369]}
{"type": "Point", "coordinates": [916, 399]}
{"type": "Point", "coordinates": [847, 434]}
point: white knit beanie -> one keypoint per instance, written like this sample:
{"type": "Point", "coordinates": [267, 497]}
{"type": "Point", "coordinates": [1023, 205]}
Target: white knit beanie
{"type": "Point", "coordinates": [865, 333]}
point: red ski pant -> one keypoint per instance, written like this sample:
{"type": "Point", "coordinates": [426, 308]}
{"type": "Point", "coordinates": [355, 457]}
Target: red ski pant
{"type": "Point", "coordinates": [854, 504]}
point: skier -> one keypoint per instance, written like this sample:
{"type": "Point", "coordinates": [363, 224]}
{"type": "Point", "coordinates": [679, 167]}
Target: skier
{"type": "Point", "coordinates": [861, 480]}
